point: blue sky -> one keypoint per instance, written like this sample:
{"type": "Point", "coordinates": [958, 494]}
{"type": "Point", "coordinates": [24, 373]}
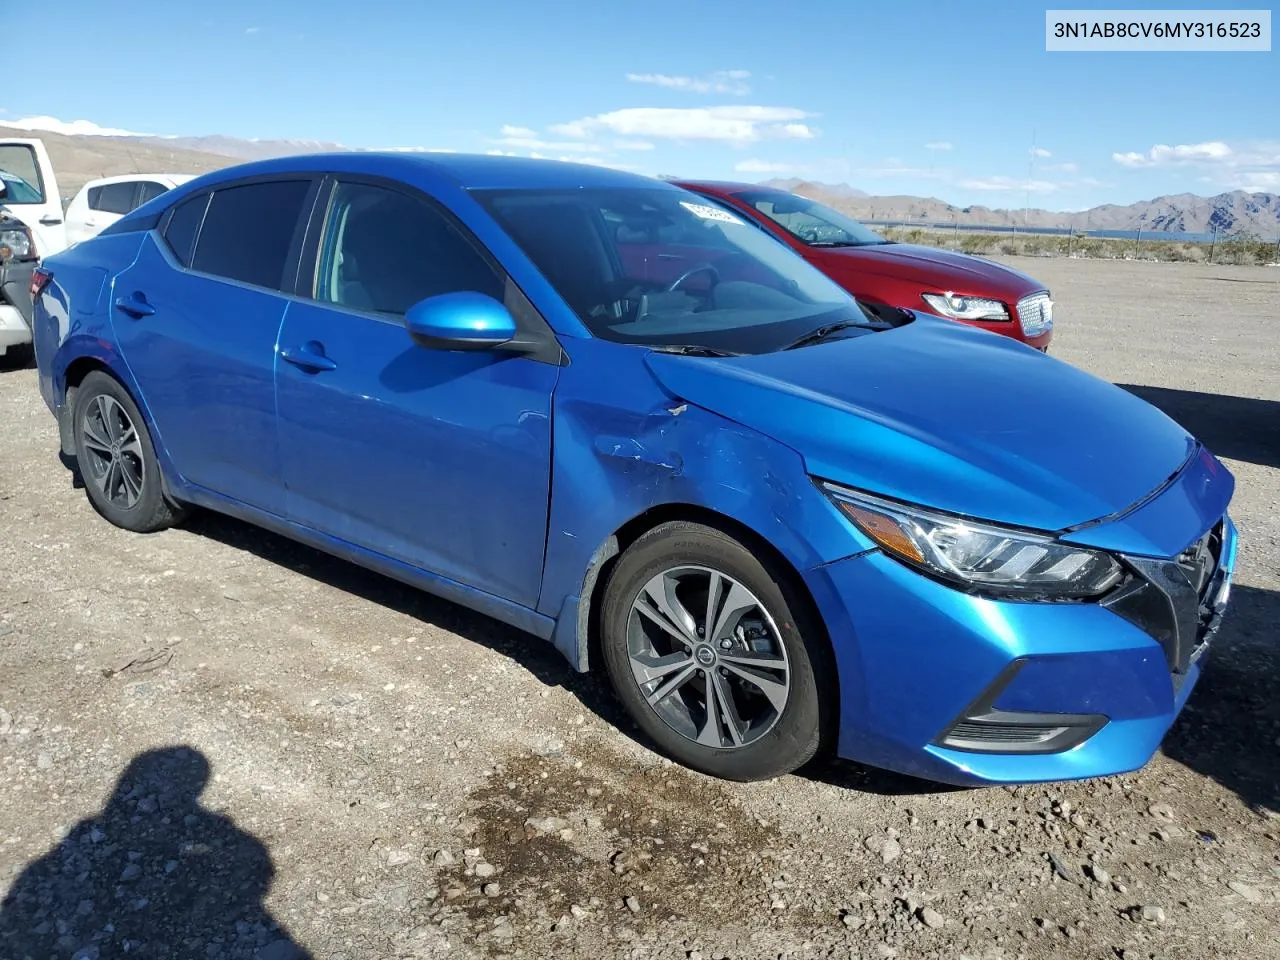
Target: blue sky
{"type": "Point", "coordinates": [927, 98]}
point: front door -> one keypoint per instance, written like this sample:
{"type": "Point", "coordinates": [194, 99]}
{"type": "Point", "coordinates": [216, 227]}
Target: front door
{"type": "Point", "coordinates": [440, 459]}
{"type": "Point", "coordinates": [197, 316]}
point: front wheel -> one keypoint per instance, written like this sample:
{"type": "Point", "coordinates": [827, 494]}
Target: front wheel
{"type": "Point", "coordinates": [714, 655]}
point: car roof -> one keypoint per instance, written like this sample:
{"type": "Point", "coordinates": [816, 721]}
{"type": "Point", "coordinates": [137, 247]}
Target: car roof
{"type": "Point", "coordinates": [175, 178]}
{"type": "Point", "coordinates": [469, 171]}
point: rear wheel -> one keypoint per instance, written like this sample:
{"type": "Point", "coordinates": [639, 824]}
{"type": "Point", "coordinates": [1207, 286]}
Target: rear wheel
{"type": "Point", "coordinates": [117, 459]}
{"type": "Point", "coordinates": [714, 655]}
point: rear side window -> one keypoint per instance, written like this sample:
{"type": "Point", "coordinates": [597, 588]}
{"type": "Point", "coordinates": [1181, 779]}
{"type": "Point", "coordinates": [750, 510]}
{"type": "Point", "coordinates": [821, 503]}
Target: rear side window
{"type": "Point", "coordinates": [184, 224]}
{"type": "Point", "coordinates": [248, 231]}
{"type": "Point", "coordinates": [113, 197]}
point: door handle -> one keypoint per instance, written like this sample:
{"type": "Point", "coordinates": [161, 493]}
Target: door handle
{"type": "Point", "coordinates": [307, 359]}
{"type": "Point", "coordinates": [135, 306]}
{"type": "Point", "coordinates": [49, 220]}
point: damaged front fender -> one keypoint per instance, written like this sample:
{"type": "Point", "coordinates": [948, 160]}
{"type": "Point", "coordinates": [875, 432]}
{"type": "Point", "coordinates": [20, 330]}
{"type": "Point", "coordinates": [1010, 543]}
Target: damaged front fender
{"type": "Point", "coordinates": [630, 448]}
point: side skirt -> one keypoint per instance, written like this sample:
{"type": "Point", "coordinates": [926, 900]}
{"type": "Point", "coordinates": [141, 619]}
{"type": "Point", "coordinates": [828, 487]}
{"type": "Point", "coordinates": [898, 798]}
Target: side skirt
{"type": "Point", "coordinates": [520, 617]}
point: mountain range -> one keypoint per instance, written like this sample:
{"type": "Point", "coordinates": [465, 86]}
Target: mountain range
{"type": "Point", "coordinates": [1231, 213]}
{"type": "Point", "coordinates": [78, 158]}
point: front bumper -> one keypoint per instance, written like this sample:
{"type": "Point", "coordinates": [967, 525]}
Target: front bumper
{"type": "Point", "coordinates": [922, 666]}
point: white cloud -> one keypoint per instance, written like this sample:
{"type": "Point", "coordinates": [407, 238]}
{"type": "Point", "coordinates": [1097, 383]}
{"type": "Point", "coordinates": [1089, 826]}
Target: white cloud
{"type": "Point", "coordinates": [510, 131]}
{"type": "Point", "coordinates": [1162, 154]}
{"type": "Point", "coordinates": [938, 145]}
{"type": "Point", "coordinates": [722, 81]}
{"type": "Point", "coordinates": [1067, 167]}
{"type": "Point", "coordinates": [74, 128]}
{"type": "Point", "coordinates": [252, 30]}
{"type": "Point", "coordinates": [1245, 165]}
{"type": "Point", "coordinates": [765, 166]}
{"type": "Point", "coordinates": [1259, 181]}
{"type": "Point", "coordinates": [1010, 183]}
{"type": "Point", "coordinates": [1040, 152]}
{"type": "Point", "coordinates": [732, 125]}
{"type": "Point", "coordinates": [632, 145]}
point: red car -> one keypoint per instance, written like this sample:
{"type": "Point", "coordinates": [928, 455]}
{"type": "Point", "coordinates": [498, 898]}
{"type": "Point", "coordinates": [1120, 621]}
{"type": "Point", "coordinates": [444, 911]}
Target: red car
{"type": "Point", "coordinates": [969, 289]}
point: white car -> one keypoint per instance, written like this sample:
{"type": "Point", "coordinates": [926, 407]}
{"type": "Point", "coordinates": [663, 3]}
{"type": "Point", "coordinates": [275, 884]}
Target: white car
{"type": "Point", "coordinates": [101, 203]}
{"type": "Point", "coordinates": [30, 227]}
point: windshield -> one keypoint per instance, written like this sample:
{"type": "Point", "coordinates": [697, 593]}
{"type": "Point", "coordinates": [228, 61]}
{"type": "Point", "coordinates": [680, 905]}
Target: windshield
{"type": "Point", "coordinates": [20, 174]}
{"type": "Point", "coordinates": [663, 267]}
{"type": "Point", "coordinates": [810, 221]}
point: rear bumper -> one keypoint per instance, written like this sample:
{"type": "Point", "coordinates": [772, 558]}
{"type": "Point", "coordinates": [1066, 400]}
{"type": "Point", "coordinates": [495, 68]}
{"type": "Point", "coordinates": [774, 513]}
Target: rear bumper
{"type": "Point", "coordinates": [920, 662]}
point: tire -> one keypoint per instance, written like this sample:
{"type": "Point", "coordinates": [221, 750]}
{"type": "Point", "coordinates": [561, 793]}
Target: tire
{"type": "Point", "coordinates": [117, 459]}
{"type": "Point", "coordinates": [754, 740]}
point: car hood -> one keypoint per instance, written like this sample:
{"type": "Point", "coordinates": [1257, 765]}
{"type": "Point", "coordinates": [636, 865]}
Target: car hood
{"type": "Point", "coordinates": [942, 269]}
{"type": "Point", "coordinates": [947, 416]}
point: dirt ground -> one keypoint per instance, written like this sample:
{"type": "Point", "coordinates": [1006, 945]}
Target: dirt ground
{"type": "Point", "coordinates": [215, 743]}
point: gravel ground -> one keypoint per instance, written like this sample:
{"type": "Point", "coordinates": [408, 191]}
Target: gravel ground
{"type": "Point", "coordinates": [217, 744]}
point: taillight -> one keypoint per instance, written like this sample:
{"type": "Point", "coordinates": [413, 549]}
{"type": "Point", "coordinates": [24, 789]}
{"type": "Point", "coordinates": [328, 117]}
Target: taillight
{"type": "Point", "coordinates": [39, 280]}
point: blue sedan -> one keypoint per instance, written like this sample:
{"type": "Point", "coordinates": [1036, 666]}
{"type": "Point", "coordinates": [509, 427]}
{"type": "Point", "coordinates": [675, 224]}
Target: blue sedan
{"type": "Point", "coordinates": [615, 415]}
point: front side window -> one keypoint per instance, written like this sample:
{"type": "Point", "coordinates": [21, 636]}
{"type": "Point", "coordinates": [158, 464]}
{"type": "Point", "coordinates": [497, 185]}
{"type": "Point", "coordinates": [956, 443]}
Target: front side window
{"type": "Point", "coordinates": [113, 197]}
{"type": "Point", "coordinates": [248, 231]}
{"type": "Point", "coordinates": [664, 267]}
{"type": "Point", "coordinates": [383, 251]}
{"type": "Point", "coordinates": [21, 174]}
{"type": "Point", "coordinates": [814, 223]}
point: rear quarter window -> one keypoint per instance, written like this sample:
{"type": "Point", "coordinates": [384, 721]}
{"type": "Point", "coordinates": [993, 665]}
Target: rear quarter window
{"type": "Point", "coordinates": [183, 226]}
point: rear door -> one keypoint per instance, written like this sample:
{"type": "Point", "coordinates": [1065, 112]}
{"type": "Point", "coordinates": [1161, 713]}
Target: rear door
{"type": "Point", "coordinates": [32, 192]}
{"type": "Point", "coordinates": [197, 316]}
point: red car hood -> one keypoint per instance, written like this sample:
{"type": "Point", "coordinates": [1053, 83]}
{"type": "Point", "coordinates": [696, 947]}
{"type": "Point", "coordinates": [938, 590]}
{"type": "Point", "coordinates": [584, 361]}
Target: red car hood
{"type": "Point", "coordinates": [931, 267]}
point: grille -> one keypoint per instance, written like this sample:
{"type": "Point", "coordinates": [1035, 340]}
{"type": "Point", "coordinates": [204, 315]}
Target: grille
{"type": "Point", "coordinates": [1035, 313]}
{"type": "Point", "coordinates": [1171, 600]}
{"type": "Point", "coordinates": [1200, 561]}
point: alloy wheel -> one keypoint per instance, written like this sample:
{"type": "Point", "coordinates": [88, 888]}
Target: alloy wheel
{"type": "Point", "coordinates": [708, 657]}
{"type": "Point", "coordinates": [115, 461]}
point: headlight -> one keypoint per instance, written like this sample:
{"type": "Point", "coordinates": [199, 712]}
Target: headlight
{"type": "Point", "coordinates": [979, 556]}
{"type": "Point", "coordinates": [15, 244]}
{"type": "Point", "coordinates": [966, 308]}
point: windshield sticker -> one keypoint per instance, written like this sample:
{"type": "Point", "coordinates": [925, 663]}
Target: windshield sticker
{"type": "Point", "coordinates": [710, 213]}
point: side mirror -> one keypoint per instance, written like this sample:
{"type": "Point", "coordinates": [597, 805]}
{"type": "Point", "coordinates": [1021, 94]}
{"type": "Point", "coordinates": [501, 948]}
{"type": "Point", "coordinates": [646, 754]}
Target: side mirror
{"type": "Point", "coordinates": [460, 321]}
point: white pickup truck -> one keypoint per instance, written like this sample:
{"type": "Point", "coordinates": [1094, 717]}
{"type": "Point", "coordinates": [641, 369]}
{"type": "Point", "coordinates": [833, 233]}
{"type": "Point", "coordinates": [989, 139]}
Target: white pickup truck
{"type": "Point", "coordinates": [31, 227]}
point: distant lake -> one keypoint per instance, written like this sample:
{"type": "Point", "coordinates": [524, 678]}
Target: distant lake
{"type": "Point", "coordinates": [1051, 231]}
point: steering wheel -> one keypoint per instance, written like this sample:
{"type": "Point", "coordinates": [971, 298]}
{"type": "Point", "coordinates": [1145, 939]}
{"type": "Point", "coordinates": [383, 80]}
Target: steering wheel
{"type": "Point", "coordinates": [695, 269]}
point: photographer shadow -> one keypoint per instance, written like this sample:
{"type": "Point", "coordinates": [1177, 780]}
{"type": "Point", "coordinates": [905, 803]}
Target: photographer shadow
{"type": "Point", "coordinates": [153, 874]}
